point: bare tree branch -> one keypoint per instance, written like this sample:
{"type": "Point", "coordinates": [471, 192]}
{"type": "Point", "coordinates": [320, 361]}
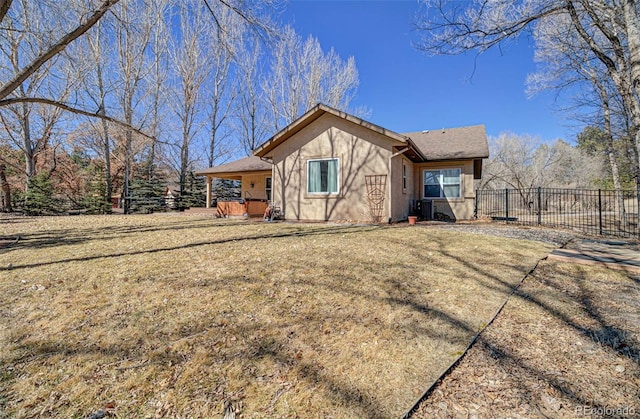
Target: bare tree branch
{"type": "Point", "coordinates": [68, 108]}
{"type": "Point", "coordinates": [4, 8]}
{"type": "Point", "coordinates": [9, 87]}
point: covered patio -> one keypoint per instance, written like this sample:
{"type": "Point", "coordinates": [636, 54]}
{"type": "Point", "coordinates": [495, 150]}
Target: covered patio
{"type": "Point", "coordinates": [255, 177]}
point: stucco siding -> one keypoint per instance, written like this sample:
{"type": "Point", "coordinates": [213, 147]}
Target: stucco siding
{"type": "Point", "coordinates": [456, 208]}
{"type": "Point", "coordinates": [402, 198]}
{"type": "Point", "coordinates": [258, 179]}
{"type": "Point", "coordinates": [359, 152]}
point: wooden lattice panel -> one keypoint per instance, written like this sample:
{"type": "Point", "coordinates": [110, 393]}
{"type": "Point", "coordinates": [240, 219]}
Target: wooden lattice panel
{"type": "Point", "coordinates": [376, 186]}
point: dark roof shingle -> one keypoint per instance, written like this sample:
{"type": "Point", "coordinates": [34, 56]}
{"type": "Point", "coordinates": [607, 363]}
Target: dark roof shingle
{"type": "Point", "coordinates": [247, 164]}
{"type": "Point", "coordinates": [452, 143]}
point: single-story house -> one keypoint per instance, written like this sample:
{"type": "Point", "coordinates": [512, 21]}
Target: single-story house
{"type": "Point", "coordinates": [330, 165]}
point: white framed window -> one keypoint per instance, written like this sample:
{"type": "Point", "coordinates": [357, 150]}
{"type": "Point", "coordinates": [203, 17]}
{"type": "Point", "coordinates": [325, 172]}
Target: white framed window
{"type": "Point", "coordinates": [404, 176]}
{"type": "Point", "coordinates": [444, 183]}
{"type": "Point", "coordinates": [267, 187]}
{"type": "Point", "coordinates": [323, 176]}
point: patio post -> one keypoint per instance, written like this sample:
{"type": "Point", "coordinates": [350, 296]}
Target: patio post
{"type": "Point", "coordinates": [208, 192]}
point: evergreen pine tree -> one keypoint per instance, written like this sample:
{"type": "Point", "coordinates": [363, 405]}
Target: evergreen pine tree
{"type": "Point", "coordinates": [94, 200]}
{"type": "Point", "coordinates": [147, 195]}
{"type": "Point", "coordinates": [226, 188]}
{"type": "Point", "coordinates": [195, 192]}
{"type": "Point", "coordinates": [39, 199]}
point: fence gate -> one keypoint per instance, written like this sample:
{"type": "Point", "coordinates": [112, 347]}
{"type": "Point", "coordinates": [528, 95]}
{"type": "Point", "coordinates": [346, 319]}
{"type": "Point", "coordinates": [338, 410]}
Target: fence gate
{"type": "Point", "coordinates": [376, 186]}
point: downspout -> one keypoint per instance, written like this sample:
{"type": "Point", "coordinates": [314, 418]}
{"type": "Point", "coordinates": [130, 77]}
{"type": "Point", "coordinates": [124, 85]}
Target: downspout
{"type": "Point", "coordinates": [273, 177]}
{"type": "Point", "coordinates": [397, 153]}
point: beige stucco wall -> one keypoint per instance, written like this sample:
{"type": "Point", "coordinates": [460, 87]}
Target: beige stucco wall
{"type": "Point", "coordinates": [402, 198]}
{"type": "Point", "coordinates": [259, 184]}
{"type": "Point", "coordinates": [334, 137]}
{"type": "Point", "coordinates": [461, 208]}
{"type": "Point", "coordinates": [360, 152]}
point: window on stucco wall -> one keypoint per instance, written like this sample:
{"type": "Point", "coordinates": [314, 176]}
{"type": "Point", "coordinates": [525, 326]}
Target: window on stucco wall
{"type": "Point", "coordinates": [445, 183]}
{"type": "Point", "coordinates": [404, 176]}
{"type": "Point", "coordinates": [322, 176]}
{"type": "Point", "coordinates": [267, 188]}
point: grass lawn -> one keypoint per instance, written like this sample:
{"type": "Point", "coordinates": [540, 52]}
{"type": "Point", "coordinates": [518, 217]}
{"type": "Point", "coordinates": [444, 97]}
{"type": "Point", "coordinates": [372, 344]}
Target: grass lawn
{"type": "Point", "coordinates": [567, 345]}
{"type": "Point", "coordinates": [169, 315]}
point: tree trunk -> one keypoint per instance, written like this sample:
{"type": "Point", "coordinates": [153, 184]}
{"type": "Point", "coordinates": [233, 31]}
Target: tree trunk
{"type": "Point", "coordinates": [184, 162]}
{"type": "Point", "coordinates": [613, 161]}
{"type": "Point", "coordinates": [128, 152]}
{"type": "Point", "coordinates": [632, 25]}
{"type": "Point", "coordinates": [29, 152]}
{"type": "Point", "coordinates": [5, 201]}
{"type": "Point", "coordinates": [127, 171]}
{"type": "Point", "coordinates": [106, 147]}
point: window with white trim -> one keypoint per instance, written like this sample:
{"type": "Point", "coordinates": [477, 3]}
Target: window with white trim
{"type": "Point", "coordinates": [323, 176]}
{"type": "Point", "coordinates": [444, 183]}
{"type": "Point", "coordinates": [404, 176]}
{"type": "Point", "coordinates": [267, 187]}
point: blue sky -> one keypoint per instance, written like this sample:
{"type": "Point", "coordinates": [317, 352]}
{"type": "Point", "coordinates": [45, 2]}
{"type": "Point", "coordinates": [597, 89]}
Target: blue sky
{"type": "Point", "coordinates": [408, 90]}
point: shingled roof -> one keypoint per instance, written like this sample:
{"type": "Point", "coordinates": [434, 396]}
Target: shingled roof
{"type": "Point", "coordinates": [432, 145]}
{"type": "Point", "coordinates": [313, 114]}
{"type": "Point", "coordinates": [452, 143]}
{"type": "Point", "coordinates": [247, 164]}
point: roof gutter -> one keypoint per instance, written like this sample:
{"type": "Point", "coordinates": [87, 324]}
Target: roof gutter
{"type": "Point", "coordinates": [397, 153]}
{"type": "Point", "coordinates": [416, 149]}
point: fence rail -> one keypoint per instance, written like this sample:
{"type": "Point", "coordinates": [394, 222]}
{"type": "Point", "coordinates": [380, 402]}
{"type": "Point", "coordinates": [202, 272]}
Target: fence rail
{"type": "Point", "coordinates": [597, 212]}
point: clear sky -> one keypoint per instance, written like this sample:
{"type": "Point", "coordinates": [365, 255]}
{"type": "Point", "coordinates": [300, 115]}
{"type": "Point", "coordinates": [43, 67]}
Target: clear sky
{"type": "Point", "coordinates": [408, 90]}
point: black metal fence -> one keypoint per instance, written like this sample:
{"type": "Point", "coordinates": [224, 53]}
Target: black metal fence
{"type": "Point", "coordinates": [598, 212]}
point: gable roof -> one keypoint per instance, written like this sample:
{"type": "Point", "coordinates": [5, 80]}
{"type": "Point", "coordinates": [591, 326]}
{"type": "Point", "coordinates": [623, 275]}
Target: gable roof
{"type": "Point", "coordinates": [445, 144]}
{"type": "Point", "coordinates": [315, 113]}
{"type": "Point", "coordinates": [247, 164]}
{"type": "Point", "coordinates": [452, 143]}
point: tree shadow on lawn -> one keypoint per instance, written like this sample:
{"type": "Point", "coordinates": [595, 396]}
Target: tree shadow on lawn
{"type": "Point", "coordinates": [279, 349]}
{"type": "Point", "coordinates": [73, 236]}
{"type": "Point", "coordinates": [528, 348]}
{"type": "Point", "coordinates": [294, 232]}
{"type": "Point", "coordinates": [592, 321]}
{"type": "Point", "coordinates": [603, 332]}
{"type": "Point", "coordinates": [251, 347]}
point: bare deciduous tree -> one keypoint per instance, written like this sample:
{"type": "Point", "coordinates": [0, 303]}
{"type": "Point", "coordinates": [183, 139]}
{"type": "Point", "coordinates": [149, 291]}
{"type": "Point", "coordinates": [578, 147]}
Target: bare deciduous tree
{"type": "Point", "coordinates": [302, 75]}
{"type": "Point", "coordinates": [96, 88]}
{"type": "Point", "coordinates": [221, 90]}
{"type": "Point", "coordinates": [524, 162]}
{"type": "Point", "coordinates": [45, 54]}
{"type": "Point", "coordinates": [133, 36]}
{"type": "Point", "coordinates": [566, 61]}
{"type": "Point", "coordinates": [609, 31]}
{"type": "Point", "coordinates": [29, 125]}
{"type": "Point", "coordinates": [157, 79]}
{"type": "Point", "coordinates": [251, 122]}
{"type": "Point", "coordinates": [191, 64]}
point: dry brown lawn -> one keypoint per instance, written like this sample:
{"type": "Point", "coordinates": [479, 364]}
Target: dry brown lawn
{"type": "Point", "coordinates": [567, 345]}
{"type": "Point", "coordinates": [177, 316]}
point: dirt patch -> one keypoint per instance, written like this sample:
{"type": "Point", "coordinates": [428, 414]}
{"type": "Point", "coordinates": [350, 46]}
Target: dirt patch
{"type": "Point", "coordinates": [567, 345]}
{"type": "Point", "coordinates": [546, 235]}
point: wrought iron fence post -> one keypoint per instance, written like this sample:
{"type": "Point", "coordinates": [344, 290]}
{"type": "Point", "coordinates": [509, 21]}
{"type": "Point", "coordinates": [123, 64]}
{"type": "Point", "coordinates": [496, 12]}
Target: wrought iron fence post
{"type": "Point", "coordinates": [569, 208]}
{"type": "Point", "coordinates": [600, 210]}
{"type": "Point", "coordinates": [539, 205]}
{"type": "Point", "coordinates": [506, 206]}
{"type": "Point", "coordinates": [475, 208]}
